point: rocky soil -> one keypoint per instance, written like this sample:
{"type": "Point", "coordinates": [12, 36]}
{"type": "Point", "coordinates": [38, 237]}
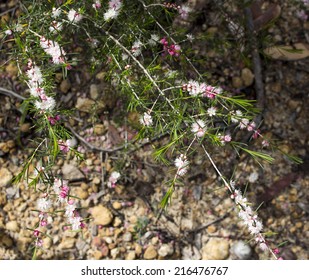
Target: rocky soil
{"type": "Point", "coordinates": [201, 222]}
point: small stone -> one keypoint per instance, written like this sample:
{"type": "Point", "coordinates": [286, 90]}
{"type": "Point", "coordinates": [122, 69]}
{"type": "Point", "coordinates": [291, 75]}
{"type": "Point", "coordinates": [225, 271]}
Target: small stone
{"type": "Point", "coordinates": [117, 222]}
{"type": "Point", "coordinates": [101, 215]}
{"type": "Point", "coordinates": [94, 91]}
{"type": "Point", "coordinates": [104, 251]}
{"type": "Point", "coordinates": [130, 255]}
{"type": "Point", "coordinates": [117, 205]}
{"type": "Point", "coordinates": [67, 243]}
{"type": "Point", "coordinates": [5, 177]}
{"type": "Point", "coordinates": [138, 249]}
{"type": "Point", "coordinates": [65, 86]}
{"type": "Point", "coordinates": [71, 172]}
{"type": "Point", "coordinates": [23, 243]}
{"type": "Point", "coordinates": [165, 250]}
{"type": "Point", "coordinates": [96, 181]}
{"type": "Point", "coordinates": [11, 69]}
{"type": "Point", "coordinates": [241, 250]}
{"type": "Point", "coordinates": [299, 224]}
{"type": "Point", "coordinates": [114, 253]}
{"type": "Point", "coordinates": [127, 237]}
{"type": "Point", "coordinates": [97, 255]}
{"type": "Point", "coordinates": [276, 87]}
{"type": "Point", "coordinates": [84, 104]}
{"type": "Point", "coordinates": [215, 249]}
{"type": "Point", "coordinates": [25, 127]}
{"type": "Point", "coordinates": [12, 226]}
{"type": "Point", "coordinates": [82, 194]}
{"type": "Point", "coordinates": [47, 243]}
{"type": "Point", "coordinates": [99, 129]}
{"type": "Point", "coordinates": [212, 229]}
{"type": "Point", "coordinates": [150, 253]}
{"type": "Point", "coordinates": [6, 241]}
{"type": "Point", "coordinates": [190, 253]}
{"type": "Point", "coordinates": [237, 82]}
{"type": "Point", "coordinates": [247, 77]}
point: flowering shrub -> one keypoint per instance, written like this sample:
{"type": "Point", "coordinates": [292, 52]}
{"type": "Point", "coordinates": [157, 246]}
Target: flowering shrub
{"type": "Point", "coordinates": [148, 62]}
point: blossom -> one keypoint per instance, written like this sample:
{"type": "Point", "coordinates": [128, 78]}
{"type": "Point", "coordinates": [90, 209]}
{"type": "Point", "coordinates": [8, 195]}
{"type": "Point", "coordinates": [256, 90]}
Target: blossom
{"type": "Point", "coordinates": [146, 119]}
{"type": "Point", "coordinates": [251, 126]}
{"type": "Point", "coordinates": [253, 177]}
{"type": "Point", "coordinates": [47, 103]}
{"type": "Point", "coordinates": [69, 210]}
{"type": "Point", "coordinates": [211, 111]}
{"type": "Point", "coordinates": [225, 138]}
{"type": "Point", "coordinates": [184, 11]}
{"type": "Point", "coordinates": [74, 16]}
{"type": "Point", "coordinates": [265, 143]}
{"type": "Point", "coordinates": [64, 146]}
{"type": "Point", "coordinates": [110, 14]}
{"type": "Point", "coordinates": [235, 116]}
{"type": "Point", "coordinates": [53, 49]}
{"type": "Point", "coordinates": [56, 12]}
{"type": "Point", "coordinates": [8, 32]}
{"type": "Point", "coordinates": [55, 26]}
{"type": "Point", "coordinates": [136, 48]}
{"type": "Point", "coordinates": [96, 4]}
{"type": "Point", "coordinates": [113, 179]}
{"type": "Point", "coordinates": [182, 165]}
{"type": "Point", "coordinates": [154, 39]}
{"type": "Point", "coordinates": [243, 123]}
{"type": "Point", "coordinates": [212, 91]}
{"type": "Point", "coordinates": [199, 128]}
{"type": "Point", "coordinates": [43, 204]}
{"type": "Point", "coordinates": [75, 223]}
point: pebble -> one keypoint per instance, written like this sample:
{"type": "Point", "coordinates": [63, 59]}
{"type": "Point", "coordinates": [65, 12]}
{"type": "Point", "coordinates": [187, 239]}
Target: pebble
{"type": "Point", "coordinates": [97, 255]}
{"type": "Point", "coordinates": [6, 241]}
{"type": "Point", "coordinates": [190, 253]}
{"type": "Point", "coordinates": [211, 229]}
{"type": "Point", "coordinates": [65, 86]}
{"type": "Point", "coordinates": [117, 222]}
{"type": "Point", "coordinates": [94, 91]}
{"type": "Point", "coordinates": [96, 181]}
{"type": "Point", "coordinates": [67, 243]}
{"type": "Point", "coordinates": [131, 255]}
{"type": "Point", "coordinates": [25, 127]}
{"type": "Point", "coordinates": [101, 215]}
{"type": "Point", "coordinates": [138, 249]}
{"type": "Point", "coordinates": [12, 226]}
{"type": "Point", "coordinates": [71, 172]}
{"type": "Point", "coordinates": [47, 243]}
{"type": "Point", "coordinates": [114, 253]}
{"type": "Point", "coordinates": [127, 237]}
{"type": "Point", "coordinates": [247, 77]}
{"type": "Point", "coordinates": [23, 243]}
{"type": "Point", "coordinates": [84, 104]}
{"type": "Point", "coordinates": [82, 194]}
{"type": "Point", "coordinates": [215, 249]}
{"type": "Point", "coordinates": [150, 253]}
{"type": "Point", "coordinates": [237, 82]}
{"type": "Point", "coordinates": [5, 177]}
{"type": "Point", "coordinates": [165, 250]}
{"type": "Point", "coordinates": [241, 250]}
{"type": "Point", "coordinates": [117, 205]}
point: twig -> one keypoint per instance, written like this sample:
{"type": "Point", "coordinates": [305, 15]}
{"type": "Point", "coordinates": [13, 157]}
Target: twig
{"type": "Point", "coordinates": [211, 223]}
{"type": "Point", "coordinates": [11, 93]}
{"type": "Point", "coordinates": [257, 65]}
{"type": "Point", "coordinates": [110, 151]}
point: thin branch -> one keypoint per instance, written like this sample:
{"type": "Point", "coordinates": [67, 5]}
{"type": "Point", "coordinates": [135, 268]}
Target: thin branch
{"type": "Point", "coordinates": [11, 93]}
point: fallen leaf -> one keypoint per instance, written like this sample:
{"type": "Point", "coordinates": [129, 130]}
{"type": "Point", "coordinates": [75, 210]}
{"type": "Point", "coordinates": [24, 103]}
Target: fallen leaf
{"type": "Point", "coordinates": [296, 52]}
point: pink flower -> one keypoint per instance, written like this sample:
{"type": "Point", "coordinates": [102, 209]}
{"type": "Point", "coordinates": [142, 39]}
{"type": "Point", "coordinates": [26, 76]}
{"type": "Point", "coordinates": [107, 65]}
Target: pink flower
{"type": "Point", "coordinates": [182, 165]}
{"type": "Point", "coordinates": [36, 233]}
{"type": "Point", "coordinates": [64, 146]}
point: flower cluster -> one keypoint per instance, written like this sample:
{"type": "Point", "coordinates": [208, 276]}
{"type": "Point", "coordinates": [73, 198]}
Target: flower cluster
{"type": "Point", "coordinates": [74, 16]}
{"type": "Point", "coordinates": [199, 128]}
{"type": "Point", "coordinates": [182, 165]}
{"type": "Point", "coordinates": [64, 146]}
{"type": "Point", "coordinates": [114, 9]}
{"type": "Point", "coordinates": [183, 10]}
{"type": "Point", "coordinates": [35, 80]}
{"type": "Point", "coordinates": [113, 179]}
{"type": "Point", "coordinates": [146, 119]}
{"type": "Point", "coordinates": [249, 218]}
{"type": "Point", "coordinates": [53, 49]}
{"type": "Point", "coordinates": [172, 49]}
{"type": "Point", "coordinates": [195, 88]}
{"type": "Point", "coordinates": [137, 48]}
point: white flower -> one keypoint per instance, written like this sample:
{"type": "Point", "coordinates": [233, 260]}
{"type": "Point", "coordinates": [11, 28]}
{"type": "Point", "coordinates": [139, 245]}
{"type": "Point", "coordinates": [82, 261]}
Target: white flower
{"type": "Point", "coordinates": [253, 177]}
{"type": "Point", "coordinates": [190, 37]}
{"type": "Point", "coordinates": [243, 123]}
{"type": "Point", "coordinates": [199, 128]}
{"type": "Point", "coordinates": [136, 48]}
{"type": "Point", "coordinates": [184, 11]}
{"type": "Point", "coordinates": [182, 165]}
{"type": "Point", "coordinates": [55, 26]}
{"type": "Point", "coordinates": [236, 116]}
{"type": "Point", "coordinates": [110, 14]}
{"type": "Point", "coordinates": [74, 16]}
{"type": "Point", "coordinates": [56, 12]}
{"type": "Point", "coordinates": [154, 39]}
{"type": "Point", "coordinates": [113, 179]}
{"type": "Point", "coordinates": [69, 210]}
{"type": "Point", "coordinates": [47, 104]}
{"type": "Point", "coordinates": [146, 120]}
{"type": "Point", "coordinates": [75, 223]}
{"type": "Point", "coordinates": [43, 204]}
{"type": "Point", "coordinates": [8, 32]}
{"type": "Point", "coordinates": [212, 111]}
{"type": "Point", "coordinates": [115, 4]}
